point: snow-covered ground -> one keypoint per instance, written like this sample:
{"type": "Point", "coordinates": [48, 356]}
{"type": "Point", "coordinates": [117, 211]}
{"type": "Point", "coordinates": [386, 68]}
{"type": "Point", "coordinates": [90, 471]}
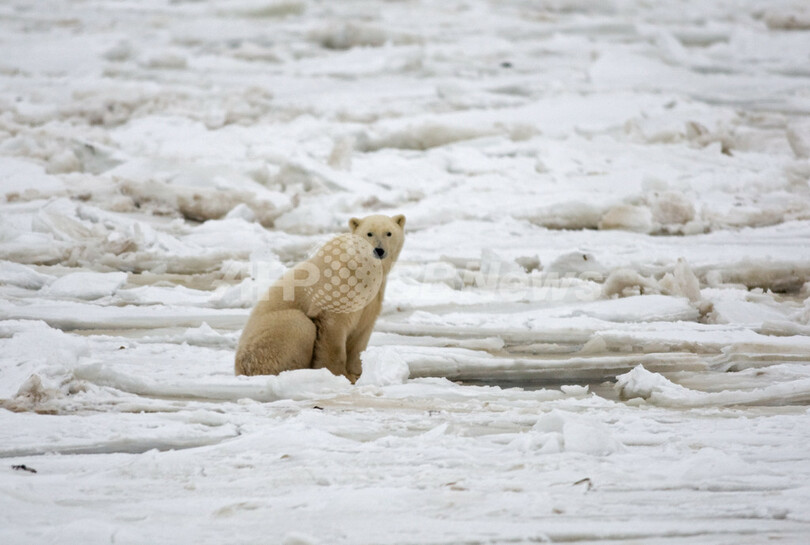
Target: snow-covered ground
{"type": "Point", "coordinates": [598, 330]}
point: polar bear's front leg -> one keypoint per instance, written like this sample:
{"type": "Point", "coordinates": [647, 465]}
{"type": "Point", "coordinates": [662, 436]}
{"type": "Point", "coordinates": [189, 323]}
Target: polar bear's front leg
{"type": "Point", "coordinates": [330, 347]}
{"type": "Point", "coordinates": [357, 340]}
{"type": "Point", "coordinates": [354, 347]}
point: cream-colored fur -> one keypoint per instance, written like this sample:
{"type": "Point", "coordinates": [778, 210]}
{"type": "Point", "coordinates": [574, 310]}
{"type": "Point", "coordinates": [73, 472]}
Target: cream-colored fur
{"type": "Point", "coordinates": [289, 329]}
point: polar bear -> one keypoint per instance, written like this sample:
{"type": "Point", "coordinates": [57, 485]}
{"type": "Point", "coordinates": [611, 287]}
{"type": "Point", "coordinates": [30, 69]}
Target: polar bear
{"type": "Point", "coordinates": [321, 312]}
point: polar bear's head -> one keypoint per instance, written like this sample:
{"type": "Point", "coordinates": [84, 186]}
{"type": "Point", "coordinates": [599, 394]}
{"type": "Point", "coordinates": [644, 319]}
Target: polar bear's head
{"type": "Point", "coordinates": [386, 234]}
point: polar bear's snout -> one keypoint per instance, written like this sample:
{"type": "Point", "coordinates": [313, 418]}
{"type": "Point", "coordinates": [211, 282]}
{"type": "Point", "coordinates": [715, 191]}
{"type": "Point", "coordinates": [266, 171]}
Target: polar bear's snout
{"type": "Point", "coordinates": [379, 252]}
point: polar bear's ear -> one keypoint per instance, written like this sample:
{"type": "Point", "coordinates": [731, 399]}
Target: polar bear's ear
{"type": "Point", "coordinates": [354, 223]}
{"type": "Point", "coordinates": [399, 219]}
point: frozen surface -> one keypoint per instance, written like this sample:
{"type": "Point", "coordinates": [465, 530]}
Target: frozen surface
{"type": "Point", "coordinates": [598, 330]}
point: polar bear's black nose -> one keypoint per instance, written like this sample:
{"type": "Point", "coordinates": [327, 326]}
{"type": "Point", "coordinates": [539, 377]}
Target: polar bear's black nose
{"type": "Point", "coordinates": [379, 252]}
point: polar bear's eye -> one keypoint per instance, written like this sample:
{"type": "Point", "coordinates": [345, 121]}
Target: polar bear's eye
{"type": "Point", "coordinates": [388, 234]}
{"type": "Point", "coordinates": [369, 234]}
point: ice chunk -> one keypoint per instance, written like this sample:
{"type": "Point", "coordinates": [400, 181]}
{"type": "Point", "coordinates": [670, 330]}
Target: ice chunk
{"type": "Point", "coordinates": [589, 437]}
{"type": "Point", "coordinates": [120, 52]}
{"type": "Point", "coordinates": [709, 464]}
{"type": "Point", "coordinates": [644, 384]}
{"type": "Point", "coordinates": [672, 208]}
{"type": "Point", "coordinates": [168, 59]}
{"type": "Point", "coordinates": [37, 349]}
{"type": "Point", "coordinates": [21, 276]}
{"type": "Point", "coordinates": [22, 179]}
{"type": "Point", "coordinates": [494, 266]}
{"type": "Point", "coordinates": [578, 433]}
{"type": "Point", "coordinates": [422, 136]}
{"type": "Point", "coordinates": [627, 282]}
{"type": "Point", "coordinates": [640, 383]}
{"type": "Point", "coordinates": [170, 295]}
{"type": "Point", "coordinates": [200, 203]}
{"type": "Point", "coordinates": [87, 285]}
{"type": "Point", "coordinates": [205, 335]}
{"type": "Point", "coordinates": [595, 345]}
{"type": "Point", "coordinates": [803, 315]}
{"type": "Point", "coordinates": [628, 217]}
{"type": "Point", "coordinates": [788, 18]}
{"type": "Point", "coordinates": [346, 35]}
{"type": "Point", "coordinates": [574, 389]}
{"type": "Point", "coordinates": [63, 161]}
{"type": "Point", "coordinates": [798, 135]}
{"type": "Point", "coordinates": [33, 390]}
{"type": "Point", "coordinates": [566, 215]}
{"type": "Point", "coordinates": [787, 275]}
{"type": "Point", "coordinates": [299, 384]}
{"type": "Point", "coordinates": [264, 9]}
{"type": "Point", "coordinates": [646, 308]}
{"type": "Point", "coordinates": [307, 384]}
{"type": "Point", "coordinates": [383, 366]}
{"type": "Point", "coordinates": [745, 313]}
{"type": "Point", "coordinates": [341, 156]}
{"type": "Point", "coordinates": [578, 6]}
{"type": "Point", "coordinates": [529, 263]}
{"type": "Point", "coordinates": [580, 262]}
{"type": "Point", "coordinates": [241, 211]}
{"type": "Point", "coordinates": [27, 247]}
{"type": "Point", "coordinates": [681, 281]}
{"type": "Point", "coordinates": [298, 538]}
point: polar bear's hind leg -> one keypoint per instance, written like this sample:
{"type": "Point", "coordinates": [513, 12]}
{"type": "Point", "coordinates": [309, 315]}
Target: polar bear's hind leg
{"type": "Point", "coordinates": [279, 341]}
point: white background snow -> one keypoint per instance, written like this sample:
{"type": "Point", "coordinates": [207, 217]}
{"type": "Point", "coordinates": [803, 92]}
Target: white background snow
{"type": "Point", "coordinates": [598, 330]}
